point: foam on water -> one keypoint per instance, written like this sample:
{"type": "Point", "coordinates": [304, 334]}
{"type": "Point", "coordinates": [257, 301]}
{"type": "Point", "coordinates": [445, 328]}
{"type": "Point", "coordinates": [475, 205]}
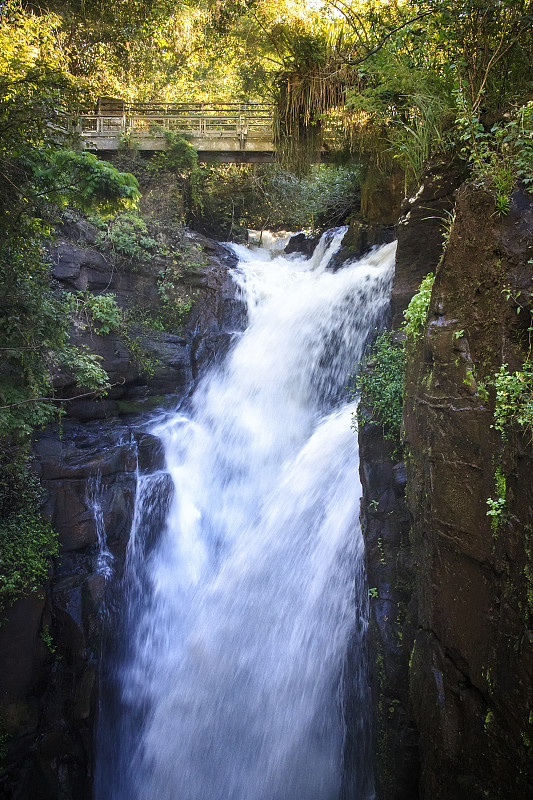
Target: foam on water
{"type": "Point", "coordinates": [231, 685]}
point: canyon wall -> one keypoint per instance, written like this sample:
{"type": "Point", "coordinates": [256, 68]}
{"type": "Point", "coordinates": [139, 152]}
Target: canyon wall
{"type": "Point", "coordinates": [451, 600]}
{"type": "Point", "coordinates": [88, 466]}
{"type": "Point", "coordinates": [471, 666]}
{"type": "Point", "coordinates": [451, 597]}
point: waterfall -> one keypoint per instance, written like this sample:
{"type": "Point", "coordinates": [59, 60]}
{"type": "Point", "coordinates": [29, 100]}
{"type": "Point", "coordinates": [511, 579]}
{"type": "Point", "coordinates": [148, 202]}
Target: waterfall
{"type": "Point", "coordinates": [104, 558]}
{"type": "Point", "coordinates": [242, 607]}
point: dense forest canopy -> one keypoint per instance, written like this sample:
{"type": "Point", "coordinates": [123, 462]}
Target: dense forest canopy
{"type": "Point", "coordinates": [387, 83]}
{"type": "Point", "coordinates": [384, 84]}
{"type": "Point", "coordinates": [366, 75]}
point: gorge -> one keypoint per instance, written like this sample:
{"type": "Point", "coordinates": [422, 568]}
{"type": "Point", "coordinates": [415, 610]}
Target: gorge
{"type": "Point", "coordinates": [265, 503]}
{"type": "Point", "coordinates": [242, 576]}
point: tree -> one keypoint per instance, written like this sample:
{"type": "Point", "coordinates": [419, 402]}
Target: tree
{"type": "Point", "coordinates": [40, 174]}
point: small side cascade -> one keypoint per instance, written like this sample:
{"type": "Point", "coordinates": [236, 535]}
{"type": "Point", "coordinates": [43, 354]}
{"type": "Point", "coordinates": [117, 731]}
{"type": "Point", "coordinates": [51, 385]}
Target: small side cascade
{"type": "Point", "coordinates": [104, 558]}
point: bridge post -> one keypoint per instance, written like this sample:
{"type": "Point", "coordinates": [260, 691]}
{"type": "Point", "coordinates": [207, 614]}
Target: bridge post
{"type": "Point", "coordinates": [242, 130]}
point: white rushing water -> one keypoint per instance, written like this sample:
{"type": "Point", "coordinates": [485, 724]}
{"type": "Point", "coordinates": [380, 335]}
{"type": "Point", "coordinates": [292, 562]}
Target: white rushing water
{"type": "Point", "coordinates": [242, 613]}
{"type": "Point", "coordinates": [104, 559]}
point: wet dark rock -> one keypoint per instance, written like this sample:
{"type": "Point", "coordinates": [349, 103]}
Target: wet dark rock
{"type": "Point", "coordinates": [420, 233]}
{"type": "Point", "coordinates": [361, 237]}
{"type": "Point", "coordinates": [162, 493]}
{"type": "Point", "coordinates": [170, 362]}
{"type": "Point", "coordinates": [302, 243]}
{"type": "Point", "coordinates": [471, 690]}
{"type": "Point", "coordinates": [386, 524]}
{"type": "Point", "coordinates": [52, 689]}
{"type": "Point", "coordinates": [150, 453]}
{"type": "Point", "coordinates": [391, 564]}
{"type": "Point", "coordinates": [399, 474]}
{"type": "Point", "coordinates": [80, 268]}
{"type": "Point", "coordinates": [382, 193]}
{"type": "Point", "coordinates": [51, 642]}
{"type": "Point", "coordinates": [451, 604]}
{"type": "Point", "coordinates": [22, 650]}
{"type": "Point", "coordinates": [78, 230]}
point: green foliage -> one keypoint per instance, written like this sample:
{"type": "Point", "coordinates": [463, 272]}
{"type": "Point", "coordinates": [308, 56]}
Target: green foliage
{"type": "Point", "coordinates": [86, 369]}
{"type": "Point", "coordinates": [393, 72]}
{"type": "Point", "coordinates": [82, 180]}
{"type": "Point", "coordinates": [179, 156]}
{"type": "Point", "coordinates": [417, 310]}
{"type": "Point", "coordinates": [489, 719]}
{"type": "Point", "coordinates": [129, 237]}
{"type": "Point", "coordinates": [100, 310]}
{"type": "Point", "coordinates": [514, 398]}
{"type": "Point", "coordinates": [401, 111]}
{"type": "Point", "coordinates": [40, 174]}
{"type": "Point", "coordinates": [380, 382]}
{"type": "Point", "coordinates": [146, 362]}
{"type": "Point", "coordinates": [33, 325]}
{"type": "Point", "coordinates": [378, 76]}
{"type": "Point", "coordinates": [513, 406]}
{"type": "Point", "coordinates": [127, 234]}
{"type": "Point", "coordinates": [138, 316]}
{"type": "Point", "coordinates": [497, 506]}
{"type": "Point", "coordinates": [502, 155]}
{"type": "Point", "coordinates": [105, 312]}
{"type": "Point", "coordinates": [380, 376]}
{"type": "Point", "coordinates": [48, 639]}
{"type": "Point", "coordinates": [27, 540]}
{"type": "Point", "coordinates": [232, 198]}
{"type": "Point", "coordinates": [34, 321]}
{"type": "Point", "coordinates": [176, 302]}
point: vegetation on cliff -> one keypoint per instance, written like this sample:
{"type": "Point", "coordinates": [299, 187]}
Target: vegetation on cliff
{"type": "Point", "coordinates": [380, 377]}
{"type": "Point", "coordinates": [380, 382]}
{"type": "Point", "coordinates": [382, 88]}
{"type": "Point", "coordinates": [378, 85]}
{"type": "Point", "coordinates": [39, 176]}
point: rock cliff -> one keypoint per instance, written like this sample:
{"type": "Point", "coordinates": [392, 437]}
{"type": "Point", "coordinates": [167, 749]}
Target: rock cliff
{"type": "Point", "coordinates": [450, 630]}
{"type": "Point", "coordinates": [471, 666]}
{"type": "Point", "coordinates": [88, 466]}
{"type": "Point", "coordinates": [386, 521]}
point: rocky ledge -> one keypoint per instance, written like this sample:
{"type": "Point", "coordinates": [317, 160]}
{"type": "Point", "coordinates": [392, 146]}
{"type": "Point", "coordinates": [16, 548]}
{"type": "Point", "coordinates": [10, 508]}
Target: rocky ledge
{"type": "Point", "coordinates": [88, 466]}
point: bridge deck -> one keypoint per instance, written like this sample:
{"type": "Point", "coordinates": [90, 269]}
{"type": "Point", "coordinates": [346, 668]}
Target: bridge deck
{"type": "Point", "coordinates": [229, 131]}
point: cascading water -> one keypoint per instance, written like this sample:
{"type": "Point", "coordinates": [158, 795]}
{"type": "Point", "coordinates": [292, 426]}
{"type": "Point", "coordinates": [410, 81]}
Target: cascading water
{"type": "Point", "coordinates": [104, 559]}
{"type": "Point", "coordinates": [241, 613]}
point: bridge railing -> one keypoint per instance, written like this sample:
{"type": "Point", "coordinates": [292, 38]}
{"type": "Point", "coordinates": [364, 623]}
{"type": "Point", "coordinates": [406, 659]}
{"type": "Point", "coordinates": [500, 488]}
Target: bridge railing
{"type": "Point", "coordinates": [196, 119]}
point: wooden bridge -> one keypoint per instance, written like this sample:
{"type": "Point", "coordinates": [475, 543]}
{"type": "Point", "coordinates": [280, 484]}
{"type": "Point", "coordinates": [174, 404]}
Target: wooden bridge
{"type": "Point", "coordinates": [218, 131]}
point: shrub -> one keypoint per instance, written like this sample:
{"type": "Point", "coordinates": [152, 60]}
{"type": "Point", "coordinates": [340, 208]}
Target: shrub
{"type": "Point", "coordinates": [100, 309]}
{"type": "Point", "coordinates": [176, 303]}
{"type": "Point", "coordinates": [501, 156]}
{"type": "Point", "coordinates": [233, 198]}
{"type": "Point", "coordinates": [380, 382]}
{"type": "Point", "coordinates": [497, 506]}
{"type": "Point", "coordinates": [380, 376]}
{"type": "Point", "coordinates": [27, 540]}
{"type": "Point", "coordinates": [86, 369]}
{"type": "Point", "coordinates": [179, 156]}
{"type": "Point", "coordinates": [417, 310]}
{"type": "Point", "coordinates": [514, 398]}
{"type": "Point", "coordinates": [128, 236]}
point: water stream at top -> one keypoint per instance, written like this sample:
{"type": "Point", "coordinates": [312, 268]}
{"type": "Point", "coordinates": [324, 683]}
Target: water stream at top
{"type": "Point", "coordinates": [230, 685]}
